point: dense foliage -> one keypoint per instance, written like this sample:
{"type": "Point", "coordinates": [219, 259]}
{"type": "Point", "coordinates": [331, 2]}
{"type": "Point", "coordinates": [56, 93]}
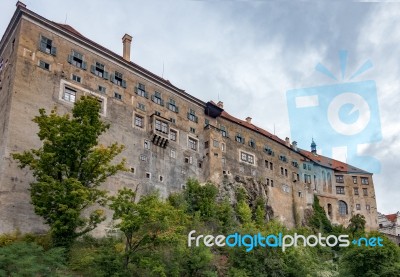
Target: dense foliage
{"type": "Point", "coordinates": [151, 234]}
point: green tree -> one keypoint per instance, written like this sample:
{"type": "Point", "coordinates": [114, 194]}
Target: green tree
{"type": "Point", "coordinates": [69, 168]}
{"type": "Point", "coordinates": [357, 224]}
{"type": "Point", "coordinates": [358, 261]}
{"type": "Point", "coordinates": [146, 222]}
{"type": "Point", "coordinates": [201, 198]}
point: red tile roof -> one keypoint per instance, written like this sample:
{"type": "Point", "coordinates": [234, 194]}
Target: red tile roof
{"type": "Point", "coordinates": [321, 160]}
{"type": "Point", "coordinates": [391, 217]}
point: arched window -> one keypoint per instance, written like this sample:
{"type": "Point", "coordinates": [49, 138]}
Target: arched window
{"type": "Point", "coordinates": [324, 178]}
{"type": "Point", "coordinates": [342, 208]}
{"type": "Point", "coordinates": [330, 210]}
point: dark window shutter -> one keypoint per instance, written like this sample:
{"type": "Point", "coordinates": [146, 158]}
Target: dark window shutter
{"type": "Point", "coordinates": [146, 94]}
{"type": "Point", "coordinates": [176, 109]}
{"type": "Point", "coordinates": [196, 119]}
{"type": "Point", "coordinates": [112, 78]}
{"type": "Point", "coordinates": [123, 83]}
{"type": "Point", "coordinates": [152, 98]}
{"type": "Point", "coordinates": [243, 140]}
{"type": "Point", "coordinates": [188, 115]}
{"type": "Point", "coordinates": [135, 89]}
{"type": "Point", "coordinates": [53, 51]}
{"type": "Point", "coordinates": [92, 69]}
{"type": "Point", "coordinates": [84, 65]}
{"type": "Point", "coordinates": [69, 58]}
{"type": "Point", "coordinates": [162, 102]}
{"type": "Point", "coordinates": [105, 75]}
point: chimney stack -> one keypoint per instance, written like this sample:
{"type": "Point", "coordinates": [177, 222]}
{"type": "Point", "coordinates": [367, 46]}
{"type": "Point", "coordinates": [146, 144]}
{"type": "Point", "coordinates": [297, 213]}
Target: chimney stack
{"type": "Point", "coordinates": [220, 104]}
{"type": "Point", "coordinates": [248, 119]}
{"type": "Point", "coordinates": [287, 140]}
{"type": "Point", "coordinates": [126, 41]}
{"type": "Point", "coordinates": [294, 145]}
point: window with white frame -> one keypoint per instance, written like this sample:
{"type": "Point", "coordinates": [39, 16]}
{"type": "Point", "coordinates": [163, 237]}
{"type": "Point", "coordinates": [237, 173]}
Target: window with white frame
{"type": "Point", "coordinates": [139, 121]}
{"type": "Point", "coordinates": [147, 144]}
{"type": "Point", "coordinates": [173, 153]}
{"type": "Point", "coordinates": [69, 95]}
{"type": "Point", "coordinates": [192, 143]}
{"type": "Point", "coordinates": [173, 135]}
{"type": "Point", "coordinates": [246, 157]}
{"type": "Point", "coordinates": [161, 126]}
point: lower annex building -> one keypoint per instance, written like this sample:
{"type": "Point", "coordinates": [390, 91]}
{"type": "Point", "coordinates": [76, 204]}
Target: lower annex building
{"type": "Point", "coordinates": [169, 134]}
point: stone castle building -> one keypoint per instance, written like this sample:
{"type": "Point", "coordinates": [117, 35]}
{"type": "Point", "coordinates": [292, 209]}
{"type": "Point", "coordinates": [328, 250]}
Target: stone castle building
{"type": "Point", "coordinates": [389, 224]}
{"type": "Point", "coordinates": [169, 134]}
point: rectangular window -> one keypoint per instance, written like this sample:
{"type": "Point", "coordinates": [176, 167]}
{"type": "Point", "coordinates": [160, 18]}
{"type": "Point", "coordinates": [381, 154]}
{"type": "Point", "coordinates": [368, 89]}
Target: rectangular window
{"type": "Point", "coordinates": [98, 70]}
{"type": "Point", "coordinates": [223, 131]}
{"type": "Point", "coordinates": [252, 143]}
{"type": "Point", "coordinates": [286, 174]}
{"type": "Point", "coordinates": [141, 90]}
{"type": "Point", "coordinates": [245, 157]}
{"type": "Point", "coordinates": [141, 106]}
{"type": "Point", "coordinates": [46, 46]}
{"type": "Point", "coordinates": [139, 121]}
{"type": "Point", "coordinates": [367, 207]}
{"type": "Point", "coordinates": [76, 59]}
{"type": "Point", "coordinates": [44, 65]}
{"type": "Point", "coordinates": [143, 158]}
{"type": "Point", "coordinates": [156, 98]}
{"type": "Point", "coordinates": [192, 143]}
{"type": "Point", "coordinates": [191, 115]}
{"type": "Point", "coordinates": [356, 191]}
{"type": "Point", "coordinates": [172, 135]}
{"type": "Point", "coordinates": [102, 89]}
{"type": "Point", "coordinates": [268, 150]}
{"type": "Point", "coordinates": [215, 143]}
{"type": "Point", "coordinates": [161, 126]}
{"type": "Point", "coordinates": [239, 138]}
{"type": "Point", "coordinates": [206, 144]}
{"type": "Point", "coordinates": [76, 78]}
{"type": "Point", "coordinates": [147, 144]}
{"type": "Point", "coordinates": [173, 120]}
{"type": "Point", "coordinates": [148, 175]}
{"type": "Point", "coordinates": [339, 190]}
{"type": "Point", "coordinates": [117, 78]}
{"type": "Point", "coordinates": [69, 95]}
{"type": "Point", "coordinates": [354, 179]}
{"type": "Point", "coordinates": [281, 170]}
{"type": "Point", "coordinates": [358, 207]}
{"type": "Point", "coordinates": [283, 158]}
{"type": "Point", "coordinates": [339, 178]}
{"type": "Point", "coordinates": [365, 192]}
{"type": "Point", "coordinates": [192, 130]}
{"type": "Point", "coordinates": [173, 153]}
{"type": "Point", "coordinates": [305, 166]}
{"type": "Point", "coordinates": [172, 106]}
{"type": "Point", "coordinates": [271, 166]}
{"type": "Point", "coordinates": [117, 96]}
{"type": "Point", "coordinates": [223, 147]}
{"type": "Point", "coordinates": [364, 180]}
{"type": "Point", "coordinates": [307, 178]}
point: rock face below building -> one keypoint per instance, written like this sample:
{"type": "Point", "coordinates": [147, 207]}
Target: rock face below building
{"type": "Point", "coordinates": [169, 135]}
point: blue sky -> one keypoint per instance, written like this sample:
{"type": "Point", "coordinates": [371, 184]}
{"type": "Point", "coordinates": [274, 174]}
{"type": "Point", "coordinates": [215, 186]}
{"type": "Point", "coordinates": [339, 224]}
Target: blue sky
{"type": "Point", "coordinates": [248, 54]}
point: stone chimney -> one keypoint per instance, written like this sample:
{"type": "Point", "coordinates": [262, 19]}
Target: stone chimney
{"type": "Point", "coordinates": [248, 119]}
{"type": "Point", "coordinates": [220, 104]}
{"type": "Point", "coordinates": [287, 141]}
{"type": "Point", "coordinates": [294, 145]}
{"type": "Point", "coordinates": [20, 4]}
{"type": "Point", "coordinates": [126, 41]}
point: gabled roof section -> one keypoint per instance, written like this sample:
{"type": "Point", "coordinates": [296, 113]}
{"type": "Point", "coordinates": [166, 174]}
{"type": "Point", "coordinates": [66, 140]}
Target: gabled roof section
{"type": "Point", "coordinates": [72, 33]}
{"type": "Point", "coordinates": [391, 217]}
